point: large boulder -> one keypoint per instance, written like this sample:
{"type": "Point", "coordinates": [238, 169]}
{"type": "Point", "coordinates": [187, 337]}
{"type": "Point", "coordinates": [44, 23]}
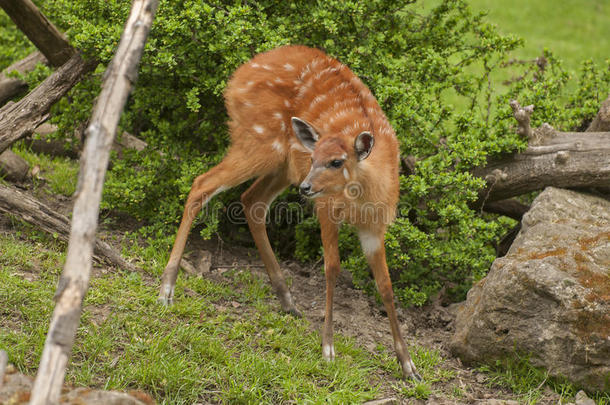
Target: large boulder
{"type": "Point", "coordinates": [549, 297]}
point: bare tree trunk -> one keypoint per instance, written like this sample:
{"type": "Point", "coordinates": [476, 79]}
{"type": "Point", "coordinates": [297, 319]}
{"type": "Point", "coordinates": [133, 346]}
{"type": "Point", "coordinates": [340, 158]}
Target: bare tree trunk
{"type": "Point", "coordinates": [47, 38]}
{"type": "Point", "coordinates": [11, 86]}
{"type": "Point", "coordinates": [118, 81]}
{"type": "Point", "coordinates": [21, 118]}
{"type": "Point", "coordinates": [14, 202]}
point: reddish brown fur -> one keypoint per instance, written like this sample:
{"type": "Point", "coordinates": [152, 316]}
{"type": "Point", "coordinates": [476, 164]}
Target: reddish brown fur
{"type": "Point", "coordinates": [261, 98]}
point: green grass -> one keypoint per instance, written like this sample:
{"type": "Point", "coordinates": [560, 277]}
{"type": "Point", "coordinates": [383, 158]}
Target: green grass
{"type": "Point", "coordinates": [574, 30]}
{"type": "Point", "coordinates": [528, 382]}
{"type": "Point", "coordinates": [60, 174]}
{"type": "Point", "coordinates": [222, 342]}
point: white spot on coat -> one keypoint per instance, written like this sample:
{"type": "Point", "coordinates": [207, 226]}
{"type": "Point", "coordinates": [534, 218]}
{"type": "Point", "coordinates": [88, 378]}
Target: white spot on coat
{"type": "Point", "coordinates": [278, 115]}
{"type": "Point", "coordinates": [345, 173]}
{"type": "Point", "coordinates": [288, 66]}
{"type": "Point", "coordinates": [317, 100]}
{"type": "Point", "coordinates": [277, 146]}
{"type": "Point", "coordinates": [287, 103]}
{"type": "Point", "coordinates": [259, 129]}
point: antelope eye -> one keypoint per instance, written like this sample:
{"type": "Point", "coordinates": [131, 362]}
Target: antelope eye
{"type": "Point", "coordinates": [336, 163]}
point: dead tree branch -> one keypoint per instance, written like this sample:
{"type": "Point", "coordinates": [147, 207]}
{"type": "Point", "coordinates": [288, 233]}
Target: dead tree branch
{"type": "Point", "coordinates": [601, 123]}
{"type": "Point", "coordinates": [15, 202]}
{"type": "Point", "coordinates": [47, 38]}
{"type": "Point", "coordinates": [21, 118]}
{"type": "Point", "coordinates": [522, 115]}
{"type": "Point", "coordinates": [118, 81]}
{"type": "Point", "coordinates": [11, 86]}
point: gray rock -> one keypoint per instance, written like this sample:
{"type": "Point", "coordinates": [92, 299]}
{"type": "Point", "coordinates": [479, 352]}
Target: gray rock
{"type": "Point", "coordinates": [384, 401]}
{"type": "Point", "coordinates": [549, 297]}
{"type": "Point", "coordinates": [582, 399]}
{"type": "Point", "coordinates": [13, 167]}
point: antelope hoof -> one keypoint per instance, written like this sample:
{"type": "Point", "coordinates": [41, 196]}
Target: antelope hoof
{"type": "Point", "coordinates": [410, 372]}
{"type": "Point", "coordinates": [166, 295]}
{"type": "Point", "coordinates": [328, 352]}
{"type": "Point", "coordinates": [294, 312]}
{"type": "Point", "coordinates": [288, 305]}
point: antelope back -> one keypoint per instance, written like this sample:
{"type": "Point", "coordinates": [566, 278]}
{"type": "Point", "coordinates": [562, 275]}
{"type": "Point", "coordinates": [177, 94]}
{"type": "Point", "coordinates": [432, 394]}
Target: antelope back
{"type": "Point", "coordinates": [265, 94]}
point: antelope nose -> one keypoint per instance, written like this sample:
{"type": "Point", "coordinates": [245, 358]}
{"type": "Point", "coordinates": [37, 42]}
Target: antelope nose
{"type": "Point", "coordinates": [305, 188]}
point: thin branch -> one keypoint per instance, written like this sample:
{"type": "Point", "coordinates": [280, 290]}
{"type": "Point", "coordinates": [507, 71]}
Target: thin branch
{"type": "Point", "coordinates": [118, 81]}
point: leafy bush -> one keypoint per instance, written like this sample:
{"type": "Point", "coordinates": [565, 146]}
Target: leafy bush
{"type": "Point", "coordinates": [413, 62]}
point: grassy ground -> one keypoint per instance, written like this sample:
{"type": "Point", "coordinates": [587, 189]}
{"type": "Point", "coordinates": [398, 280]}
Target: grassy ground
{"type": "Point", "coordinates": [224, 341]}
{"type": "Point", "coordinates": [221, 342]}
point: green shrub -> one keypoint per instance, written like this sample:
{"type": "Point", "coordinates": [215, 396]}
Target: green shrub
{"type": "Point", "coordinates": [414, 63]}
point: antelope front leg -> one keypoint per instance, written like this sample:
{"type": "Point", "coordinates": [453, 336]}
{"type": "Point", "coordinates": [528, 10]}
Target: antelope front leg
{"type": "Point", "coordinates": [332, 266]}
{"type": "Point", "coordinates": [168, 280]}
{"type": "Point", "coordinates": [373, 246]}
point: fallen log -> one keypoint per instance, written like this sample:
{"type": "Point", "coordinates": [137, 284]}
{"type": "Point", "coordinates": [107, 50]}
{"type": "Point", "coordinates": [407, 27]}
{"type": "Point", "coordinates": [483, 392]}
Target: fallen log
{"type": "Point", "coordinates": [19, 119]}
{"type": "Point", "coordinates": [47, 38]}
{"type": "Point", "coordinates": [12, 86]}
{"type": "Point", "coordinates": [118, 81]}
{"type": "Point", "coordinates": [15, 202]}
{"type": "Point", "coordinates": [42, 141]}
{"type": "Point", "coordinates": [554, 158]}
{"type": "Point", "coordinates": [601, 123]}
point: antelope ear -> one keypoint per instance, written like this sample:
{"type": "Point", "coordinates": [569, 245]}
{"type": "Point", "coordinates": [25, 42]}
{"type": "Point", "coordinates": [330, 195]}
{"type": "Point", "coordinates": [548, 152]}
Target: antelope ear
{"type": "Point", "coordinates": [305, 133]}
{"type": "Point", "coordinates": [363, 145]}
